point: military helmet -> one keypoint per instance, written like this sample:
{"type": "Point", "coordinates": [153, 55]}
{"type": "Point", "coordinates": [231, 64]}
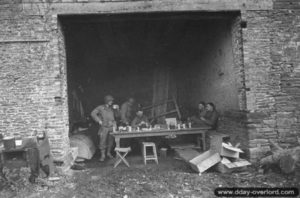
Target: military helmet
{"type": "Point", "coordinates": [108, 98]}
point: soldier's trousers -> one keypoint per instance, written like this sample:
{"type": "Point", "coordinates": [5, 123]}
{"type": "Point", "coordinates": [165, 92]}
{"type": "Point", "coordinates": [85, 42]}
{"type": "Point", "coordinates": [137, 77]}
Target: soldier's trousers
{"type": "Point", "coordinates": [106, 139]}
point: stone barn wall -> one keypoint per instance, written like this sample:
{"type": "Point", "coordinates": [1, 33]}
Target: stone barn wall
{"type": "Point", "coordinates": [285, 56]}
{"type": "Point", "coordinates": [32, 77]}
{"type": "Point", "coordinates": [33, 87]}
{"type": "Point", "coordinates": [271, 56]}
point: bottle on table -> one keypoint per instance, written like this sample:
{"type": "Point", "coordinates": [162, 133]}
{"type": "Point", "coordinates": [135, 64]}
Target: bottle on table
{"type": "Point", "coordinates": [189, 121]}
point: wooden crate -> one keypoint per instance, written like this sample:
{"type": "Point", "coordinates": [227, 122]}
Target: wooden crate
{"type": "Point", "coordinates": [204, 161]}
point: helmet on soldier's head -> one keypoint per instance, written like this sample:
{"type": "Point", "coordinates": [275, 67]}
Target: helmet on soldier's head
{"type": "Point", "coordinates": [108, 98]}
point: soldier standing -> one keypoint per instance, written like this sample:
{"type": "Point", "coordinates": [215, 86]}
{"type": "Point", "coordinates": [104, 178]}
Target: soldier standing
{"type": "Point", "coordinates": [104, 115]}
{"type": "Point", "coordinates": [127, 111]}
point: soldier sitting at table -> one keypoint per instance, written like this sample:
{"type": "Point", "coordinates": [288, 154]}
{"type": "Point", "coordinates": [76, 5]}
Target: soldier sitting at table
{"type": "Point", "coordinates": [210, 118]}
{"type": "Point", "coordinates": [201, 113]}
{"type": "Point", "coordinates": [140, 120]}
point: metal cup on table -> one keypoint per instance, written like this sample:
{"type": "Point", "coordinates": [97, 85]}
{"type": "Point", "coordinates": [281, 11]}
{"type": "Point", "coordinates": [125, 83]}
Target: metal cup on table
{"type": "Point", "coordinates": [178, 126]}
{"type": "Point", "coordinates": [115, 106]}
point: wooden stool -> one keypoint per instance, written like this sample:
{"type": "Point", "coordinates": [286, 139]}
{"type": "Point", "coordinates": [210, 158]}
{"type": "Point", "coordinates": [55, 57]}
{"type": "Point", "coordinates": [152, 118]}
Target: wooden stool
{"type": "Point", "coordinates": [121, 154]}
{"type": "Point", "coordinates": [149, 157]}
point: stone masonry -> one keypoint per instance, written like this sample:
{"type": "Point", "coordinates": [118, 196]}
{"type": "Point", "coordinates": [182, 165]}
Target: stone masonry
{"type": "Point", "coordinates": [33, 89]}
{"type": "Point", "coordinates": [33, 78]}
{"type": "Point", "coordinates": [271, 57]}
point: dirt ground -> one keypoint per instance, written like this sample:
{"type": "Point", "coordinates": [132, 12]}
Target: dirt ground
{"type": "Point", "coordinates": [170, 178]}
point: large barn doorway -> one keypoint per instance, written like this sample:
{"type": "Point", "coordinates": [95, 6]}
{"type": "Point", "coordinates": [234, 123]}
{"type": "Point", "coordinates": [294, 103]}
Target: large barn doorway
{"type": "Point", "coordinates": [190, 56]}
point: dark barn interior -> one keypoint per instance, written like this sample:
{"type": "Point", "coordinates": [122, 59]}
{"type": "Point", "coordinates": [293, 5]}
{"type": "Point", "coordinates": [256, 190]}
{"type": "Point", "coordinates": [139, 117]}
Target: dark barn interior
{"type": "Point", "coordinates": [150, 57]}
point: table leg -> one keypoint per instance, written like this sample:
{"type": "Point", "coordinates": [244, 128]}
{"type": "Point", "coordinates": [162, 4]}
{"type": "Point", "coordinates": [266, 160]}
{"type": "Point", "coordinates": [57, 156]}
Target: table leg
{"type": "Point", "coordinates": [198, 140]}
{"type": "Point", "coordinates": [117, 139]}
{"type": "Point", "coordinates": [203, 142]}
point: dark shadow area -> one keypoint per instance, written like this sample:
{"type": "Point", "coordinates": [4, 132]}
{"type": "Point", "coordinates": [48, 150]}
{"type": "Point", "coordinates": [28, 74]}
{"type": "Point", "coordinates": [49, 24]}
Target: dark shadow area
{"type": "Point", "coordinates": [122, 55]}
{"type": "Point", "coordinates": [117, 54]}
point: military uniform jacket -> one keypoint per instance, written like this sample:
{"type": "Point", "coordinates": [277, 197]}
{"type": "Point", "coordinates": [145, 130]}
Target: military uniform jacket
{"type": "Point", "coordinates": [105, 114]}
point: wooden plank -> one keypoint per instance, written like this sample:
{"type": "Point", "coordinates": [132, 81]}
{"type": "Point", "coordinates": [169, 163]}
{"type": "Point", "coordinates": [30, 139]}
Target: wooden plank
{"type": "Point", "coordinates": [204, 161]}
{"type": "Point", "coordinates": [160, 132]}
{"type": "Point", "coordinates": [241, 163]}
{"type": "Point", "coordinates": [176, 107]}
{"type": "Point", "coordinates": [25, 41]}
{"type": "Point", "coordinates": [187, 154]}
{"type": "Point", "coordinates": [216, 140]}
{"type": "Point", "coordinates": [160, 91]}
{"type": "Point", "coordinates": [231, 148]}
{"type": "Point", "coordinates": [154, 105]}
{"type": "Point", "coordinates": [226, 166]}
{"type": "Point", "coordinates": [230, 151]}
{"type": "Point", "coordinates": [146, 6]}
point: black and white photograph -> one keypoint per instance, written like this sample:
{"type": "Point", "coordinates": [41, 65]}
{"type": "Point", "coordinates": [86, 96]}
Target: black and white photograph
{"type": "Point", "coordinates": [149, 98]}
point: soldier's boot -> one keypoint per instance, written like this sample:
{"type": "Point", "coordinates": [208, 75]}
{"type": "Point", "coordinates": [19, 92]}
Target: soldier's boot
{"type": "Point", "coordinates": [109, 146]}
{"type": "Point", "coordinates": [102, 158]}
{"type": "Point", "coordinates": [108, 154]}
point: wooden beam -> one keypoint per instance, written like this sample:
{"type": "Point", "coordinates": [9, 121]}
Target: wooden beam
{"type": "Point", "coordinates": [142, 17]}
{"type": "Point", "coordinates": [158, 104]}
{"type": "Point", "coordinates": [25, 41]}
{"type": "Point", "coordinates": [33, 7]}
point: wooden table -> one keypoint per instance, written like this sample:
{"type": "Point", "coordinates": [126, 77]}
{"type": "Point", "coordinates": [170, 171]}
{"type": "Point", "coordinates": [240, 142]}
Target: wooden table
{"type": "Point", "coordinates": [161, 132]}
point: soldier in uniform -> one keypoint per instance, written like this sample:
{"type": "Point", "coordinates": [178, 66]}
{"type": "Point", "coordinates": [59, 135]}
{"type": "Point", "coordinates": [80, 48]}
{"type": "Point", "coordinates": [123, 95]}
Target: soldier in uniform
{"type": "Point", "coordinates": [201, 113]}
{"type": "Point", "coordinates": [104, 115]}
{"type": "Point", "coordinates": [208, 117]}
{"type": "Point", "coordinates": [211, 116]}
{"type": "Point", "coordinates": [127, 111]}
{"type": "Point", "coordinates": [140, 120]}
